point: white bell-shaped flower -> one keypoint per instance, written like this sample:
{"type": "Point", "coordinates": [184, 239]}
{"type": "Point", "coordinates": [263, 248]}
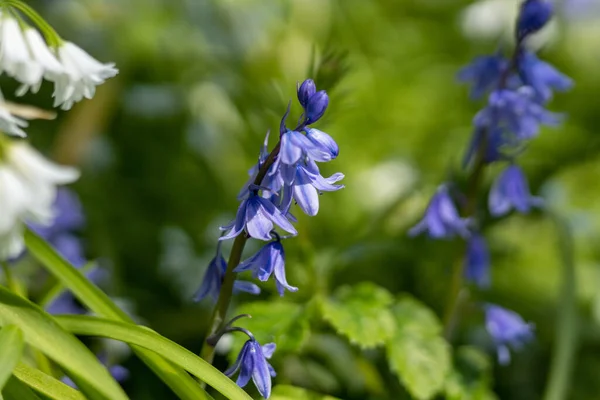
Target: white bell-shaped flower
{"type": "Point", "coordinates": [8, 122]}
{"type": "Point", "coordinates": [43, 63]}
{"type": "Point", "coordinates": [82, 73]}
{"type": "Point", "coordinates": [14, 54]}
{"type": "Point", "coordinates": [28, 184]}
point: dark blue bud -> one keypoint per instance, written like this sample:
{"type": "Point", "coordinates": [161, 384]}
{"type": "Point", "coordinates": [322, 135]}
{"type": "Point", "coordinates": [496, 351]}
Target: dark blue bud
{"type": "Point", "coordinates": [305, 90]}
{"type": "Point", "coordinates": [317, 104]}
{"type": "Point", "coordinates": [533, 16]}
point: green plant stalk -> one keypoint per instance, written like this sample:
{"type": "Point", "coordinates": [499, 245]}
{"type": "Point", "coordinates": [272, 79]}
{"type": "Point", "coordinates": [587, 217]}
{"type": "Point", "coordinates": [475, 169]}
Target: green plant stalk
{"type": "Point", "coordinates": [567, 323]}
{"type": "Point", "coordinates": [220, 311]}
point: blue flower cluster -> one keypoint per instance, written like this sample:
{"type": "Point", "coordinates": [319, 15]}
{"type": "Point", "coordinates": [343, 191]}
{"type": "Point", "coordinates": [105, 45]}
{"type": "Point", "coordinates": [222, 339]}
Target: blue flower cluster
{"type": "Point", "coordinates": [517, 89]}
{"type": "Point", "coordinates": [288, 174]}
{"type": "Point", "coordinates": [61, 234]}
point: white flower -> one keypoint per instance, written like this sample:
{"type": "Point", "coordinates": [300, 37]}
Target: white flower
{"type": "Point", "coordinates": [9, 123]}
{"type": "Point", "coordinates": [82, 73]}
{"type": "Point", "coordinates": [43, 63]}
{"type": "Point", "coordinates": [14, 55]}
{"type": "Point", "coordinates": [27, 192]}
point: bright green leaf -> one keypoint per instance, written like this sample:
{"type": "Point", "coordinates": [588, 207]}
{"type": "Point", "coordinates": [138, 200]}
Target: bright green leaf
{"type": "Point", "coordinates": [43, 333]}
{"type": "Point", "coordinates": [286, 392]}
{"type": "Point", "coordinates": [46, 384]}
{"type": "Point", "coordinates": [147, 338]}
{"type": "Point", "coordinates": [417, 352]}
{"type": "Point", "coordinates": [281, 322]}
{"type": "Point", "coordinates": [17, 390]}
{"type": "Point", "coordinates": [11, 348]}
{"type": "Point", "coordinates": [361, 313]}
{"type": "Point", "coordinates": [97, 301]}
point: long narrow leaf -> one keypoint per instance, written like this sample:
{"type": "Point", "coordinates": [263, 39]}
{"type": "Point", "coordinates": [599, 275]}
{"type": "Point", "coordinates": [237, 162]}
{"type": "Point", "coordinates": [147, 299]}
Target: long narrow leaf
{"type": "Point", "coordinates": [45, 384]}
{"type": "Point", "coordinates": [43, 333]}
{"type": "Point", "coordinates": [17, 390]}
{"type": "Point", "coordinates": [147, 338]}
{"type": "Point", "coordinates": [11, 348]}
{"type": "Point", "coordinates": [97, 301]}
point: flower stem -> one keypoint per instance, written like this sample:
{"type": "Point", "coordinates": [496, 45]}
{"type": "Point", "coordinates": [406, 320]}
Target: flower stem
{"type": "Point", "coordinates": [457, 294]}
{"type": "Point", "coordinates": [220, 312]}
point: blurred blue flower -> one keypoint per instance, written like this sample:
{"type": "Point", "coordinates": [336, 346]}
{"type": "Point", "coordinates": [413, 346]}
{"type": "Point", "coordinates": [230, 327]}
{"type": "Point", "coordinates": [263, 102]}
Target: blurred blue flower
{"type": "Point", "coordinates": [483, 73]}
{"type": "Point", "coordinates": [324, 147]}
{"type": "Point", "coordinates": [252, 363]}
{"type": "Point", "coordinates": [534, 14]}
{"type": "Point", "coordinates": [477, 261]}
{"type": "Point", "coordinates": [507, 328]}
{"type": "Point", "coordinates": [517, 112]}
{"type": "Point", "coordinates": [268, 260]}
{"type": "Point", "coordinates": [499, 145]}
{"type": "Point", "coordinates": [316, 106]}
{"type": "Point", "coordinates": [541, 76]}
{"type": "Point", "coordinates": [258, 216]}
{"type": "Point", "coordinates": [213, 279]}
{"type": "Point", "coordinates": [511, 191]}
{"type": "Point", "coordinates": [441, 220]}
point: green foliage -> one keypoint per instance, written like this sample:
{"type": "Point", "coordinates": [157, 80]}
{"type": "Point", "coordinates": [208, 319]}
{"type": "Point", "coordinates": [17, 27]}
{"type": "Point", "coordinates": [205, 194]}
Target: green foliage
{"type": "Point", "coordinates": [148, 339]}
{"type": "Point", "coordinates": [417, 352]}
{"type": "Point", "coordinates": [17, 390]}
{"type": "Point", "coordinates": [46, 385]}
{"type": "Point", "coordinates": [286, 392]}
{"type": "Point", "coordinates": [471, 377]}
{"type": "Point", "coordinates": [11, 347]}
{"type": "Point", "coordinates": [43, 333]}
{"type": "Point", "coordinates": [281, 322]}
{"type": "Point", "coordinates": [361, 313]}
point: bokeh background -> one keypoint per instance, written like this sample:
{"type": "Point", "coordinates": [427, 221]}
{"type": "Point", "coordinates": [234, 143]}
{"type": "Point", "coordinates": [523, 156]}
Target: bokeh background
{"type": "Point", "coordinates": [165, 147]}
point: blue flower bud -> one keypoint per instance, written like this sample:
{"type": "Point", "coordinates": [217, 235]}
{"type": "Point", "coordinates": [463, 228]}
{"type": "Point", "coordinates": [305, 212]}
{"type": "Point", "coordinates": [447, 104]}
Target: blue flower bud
{"type": "Point", "coordinates": [305, 91]}
{"type": "Point", "coordinates": [317, 104]}
{"type": "Point", "coordinates": [507, 328]}
{"type": "Point", "coordinates": [533, 16]}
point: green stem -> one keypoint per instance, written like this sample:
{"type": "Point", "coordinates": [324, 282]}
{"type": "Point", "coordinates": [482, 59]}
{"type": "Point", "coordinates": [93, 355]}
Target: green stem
{"type": "Point", "coordinates": [49, 33]}
{"type": "Point", "coordinates": [226, 292]}
{"type": "Point", "coordinates": [567, 326]}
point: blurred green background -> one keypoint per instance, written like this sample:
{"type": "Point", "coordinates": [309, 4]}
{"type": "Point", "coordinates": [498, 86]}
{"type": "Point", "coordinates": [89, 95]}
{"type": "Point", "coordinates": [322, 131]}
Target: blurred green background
{"type": "Point", "coordinates": [164, 149]}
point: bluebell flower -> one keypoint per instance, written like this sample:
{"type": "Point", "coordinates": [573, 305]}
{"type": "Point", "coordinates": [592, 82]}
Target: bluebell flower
{"type": "Point", "coordinates": [507, 329]}
{"type": "Point", "coordinates": [70, 248]}
{"type": "Point", "coordinates": [324, 147]}
{"type": "Point", "coordinates": [541, 76]}
{"type": "Point", "coordinates": [257, 216]}
{"type": "Point", "coordinates": [68, 215]}
{"type": "Point", "coordinates": [511, 191]}
{"type": "Point", "coordinates": [534, 14]}
{"type": "Point", "coordinates": [499, 145]}
{"type": "Point", "coordinates": [517, 112]}
{"type": "Point", "coordinates": [252, 363]}
{"type": "Point", "coordinates": [303, 183]}
{"type": "Point", "coordinates": [270, 259]}
{"type": "Point", "coordinates": [484, 73]}
{"type": "Point", "coordinates": [316, 107]}
{"type": "Point", "coordinates": [441, 220]}
{"type": "Point", "coordinates": [271, 183]}
{"type": "Point", "coordinates": [294, 145]}
{"type": "Point", "coordinates": [305, 91]}
{"type": "Point", "coordinates": [477, 261]}
{"type": "Point", "coordinates": [213, 279]}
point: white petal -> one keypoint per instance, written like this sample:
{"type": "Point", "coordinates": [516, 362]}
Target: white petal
{"type": "Point", "coordinates": [36, 168]}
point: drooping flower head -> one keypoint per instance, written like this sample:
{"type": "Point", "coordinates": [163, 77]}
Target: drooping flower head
{"type": "Point", "coordinates": [511, 191]}
{"type": "Point", "coordinates": [484, 73]}
{"type": "Point", "coordinates": [541, 76]}
{"type": "Point", "coordinates": [441, 220]}
{"type": "Point", "coordinates": [507, 329]}
{"type": "Point", "coordinates": [270, 259]}
{"type": "Point", "coordinates": [252, 363]}
{"type": "Point", "coordinates": [213, 279]}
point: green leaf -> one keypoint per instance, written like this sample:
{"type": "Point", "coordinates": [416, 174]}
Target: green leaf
{"type": "Point", "coordinates": [97, 301]}
{"type": "Point", "coordinates": [17, 390]}
{"type": "Point", "coordinates": [361, 313]}
{"type": "Point", "coordinates": [43, 333]}
{"type": "Point", "coordinates": [11, 348]}
{"type": "Point", "coordinates": [281, 322]}
{"type": "Point", "coordinates": [46, 384]}
{"type": "Point", "coordinates": [147, 338]}
{"type": "Point", "coordinates": [286, 392]}
{"type": "Point", "coordinates": [417, 352]}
